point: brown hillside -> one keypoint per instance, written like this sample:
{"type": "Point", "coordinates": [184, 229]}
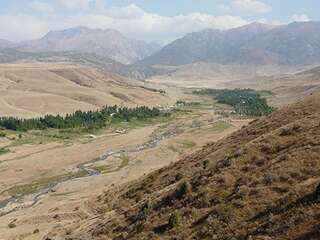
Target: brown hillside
{"type": "Point", "coordinates": [34, 89]}
{"type": "Point", "coordinates": [258, 183]}
{"type": "Point", "coordinates": [287, 88]}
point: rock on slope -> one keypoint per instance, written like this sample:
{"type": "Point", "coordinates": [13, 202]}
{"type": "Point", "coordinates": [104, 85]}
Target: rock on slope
{"type": "Point", "coordinates": [258, 183]}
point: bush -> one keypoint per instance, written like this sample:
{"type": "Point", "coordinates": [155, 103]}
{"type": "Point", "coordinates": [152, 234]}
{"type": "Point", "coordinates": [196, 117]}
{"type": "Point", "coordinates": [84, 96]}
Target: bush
{"type": "Point", "coordinates": [12, 225]}
{"type": "Point", "coordinates": [206, 164]}
{"type": "Point", "coordinates": [174, 220]}
{"type": "Point", "coordinates": [318, 190]}
{"type": "Point", "coordinates": [3, 134]}
{"type": "Point", "coordinates": [184, 189]}
{"type": "Point", "coordinates": [179, 176]}
{"type": "Point", "coordinates": [145, 210]}
{"type": "Point", "coordinates": [4, 150]}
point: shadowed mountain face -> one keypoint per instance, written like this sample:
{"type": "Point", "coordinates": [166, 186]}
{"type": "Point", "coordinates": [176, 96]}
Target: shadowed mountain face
{"type": "Point", "coordinates": [104, 43]}
{"type": "Point", "coordinates": [293, 44]}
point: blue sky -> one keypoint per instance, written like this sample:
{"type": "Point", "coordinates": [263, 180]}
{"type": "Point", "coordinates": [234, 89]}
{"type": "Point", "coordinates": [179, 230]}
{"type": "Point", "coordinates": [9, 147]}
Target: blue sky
{"type": "Point", "coordinates": [151, 20]}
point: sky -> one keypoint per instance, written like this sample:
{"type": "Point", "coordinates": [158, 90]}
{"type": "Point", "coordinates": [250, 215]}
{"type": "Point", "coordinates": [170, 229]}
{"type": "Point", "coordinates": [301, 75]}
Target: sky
{"type": "Point", "coordinates": [160, 21]}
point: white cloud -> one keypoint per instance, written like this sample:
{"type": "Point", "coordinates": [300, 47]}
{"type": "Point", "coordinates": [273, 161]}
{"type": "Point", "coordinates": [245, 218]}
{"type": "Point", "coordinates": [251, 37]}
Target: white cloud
{"type": "Point", "coordinates": [75, 4]}
{"type": "Point", "coordinates": [251, 6]}
{"type": "Point", "coordinates": [131, 20]}
{"type": "Point", "coordinates": [21, 27]}
{"type": "Point", "coordinates": [42, 7]}
{"type": "Point", "coordinates": [300, 18]}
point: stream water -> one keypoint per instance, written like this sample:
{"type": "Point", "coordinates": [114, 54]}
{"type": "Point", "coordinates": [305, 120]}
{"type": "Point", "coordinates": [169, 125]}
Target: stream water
{"type": "Point", "coordinates": [86, 167]}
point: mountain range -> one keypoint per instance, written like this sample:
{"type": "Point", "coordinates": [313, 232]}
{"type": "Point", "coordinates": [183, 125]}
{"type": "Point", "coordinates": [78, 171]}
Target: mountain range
{"type": "Point", "coordinates": [256, 44]}
{"type": "Point", "coordinates": [295, 44]}
{"type": "Point", "coordinates": [103, 43]}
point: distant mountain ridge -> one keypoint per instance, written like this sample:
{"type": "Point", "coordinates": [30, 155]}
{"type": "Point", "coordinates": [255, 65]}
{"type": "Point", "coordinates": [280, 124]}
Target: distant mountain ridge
{"type": "Point", "coordinates": [295, 44]}
{"type": "Point", "coordinates": [251, 46]}
{"type": "Point", "coordinates": [104, 43]}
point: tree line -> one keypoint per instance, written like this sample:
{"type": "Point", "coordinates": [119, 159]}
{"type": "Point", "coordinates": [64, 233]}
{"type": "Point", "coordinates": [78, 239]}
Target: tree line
{"type": "Point", "coordinates": [244, 101]}
{"type": "Point", "coordinates": [79, 119]}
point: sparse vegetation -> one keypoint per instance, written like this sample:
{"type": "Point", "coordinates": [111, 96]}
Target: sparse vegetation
{"type": "Point", "coordinates": [220, 126]}
{"type": "Point", "coordinates": [154, 90]}
{"type": "Point", "coordinates": [187, 144]}
{"type": "Point", "coordinates": [4, 151]}
{"type": "Point", "coordinates": [183, 189]}
{"type": "Point", "coordinates": [174, 220]}
{"type": "Point", "coordinates": [261, 182]}
{"type": "Point", "coordinates": [12, 225]}
{"type": "Point", "coordinates": [21, 190]}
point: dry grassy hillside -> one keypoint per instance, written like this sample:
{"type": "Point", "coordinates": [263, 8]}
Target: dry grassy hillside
{"type": "Point", "coordinates": [261, 182]}
{"type": "Point", "coordinates": [287, 88]}
{"type": "Point", "coordinates": [29, 90]}
{"type": "Point", "coordinates": [210, 75]}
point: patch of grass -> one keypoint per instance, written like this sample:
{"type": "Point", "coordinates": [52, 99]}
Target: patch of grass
{"type": "Point", "coordinates": [134, 124]}
{"type": "Point", "coordinates": [174, 149]}
{"type": "Point", "coordinates": [4, 151]}
{"type": "Point", "coordinates": [266, 93]}
{"type": "Point", "coordinates": [220, 126]}
{"type": "Point", "coordinates": [174, 220]}
{"type": "Point", "coordinates": [125, 161]}
{"type": "Point", "coordinates": [104, 169]}
{"type": "Point", "coordinates": [42, 183]}
{"type": "Point", "coordinates": [61, 194]}
{"type": "Point", "coordinates": [187, 144]}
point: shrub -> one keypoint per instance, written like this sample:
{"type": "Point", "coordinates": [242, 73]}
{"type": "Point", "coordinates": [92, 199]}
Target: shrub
{"type": "Point", "coordinates": [4, 150]}
{"type": "Point", "coordinates": [12, 225]}
{"type": "Point", "coordinates": [318, 190]}
{"type": "Point", "coordinates": [174, 220]}
{"type": "Point", "coordinates": [269, 178]}
{"type": "Point", "coordinates": [205, 164]}
{"type": "Point", "coordinates": [184, 189]}
{"type": "Point", "coordinates": [144, 211]}
{"type": "Point", "coordinates": [3, 134]}
{"type": "Point", "coordinates": [179, 176]}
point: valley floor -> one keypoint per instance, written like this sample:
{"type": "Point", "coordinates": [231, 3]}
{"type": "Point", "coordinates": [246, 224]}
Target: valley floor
{"type": "Point", "coordinates": [54, 183]}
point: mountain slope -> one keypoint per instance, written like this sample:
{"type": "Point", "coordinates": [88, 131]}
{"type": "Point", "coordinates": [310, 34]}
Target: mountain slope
{"type": "Point", "coordinates": [287, 87]}
{"type": "Point", "coordinates": [207, 45]}
{"type": "Point", "coordinates": [261, 182]}
{"type": "Point", "coordinates": [293, 44]}
{"type": "Point", "coordinates": [63, 88]}
{"type": "Point", "coordinates": [105, 43]}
